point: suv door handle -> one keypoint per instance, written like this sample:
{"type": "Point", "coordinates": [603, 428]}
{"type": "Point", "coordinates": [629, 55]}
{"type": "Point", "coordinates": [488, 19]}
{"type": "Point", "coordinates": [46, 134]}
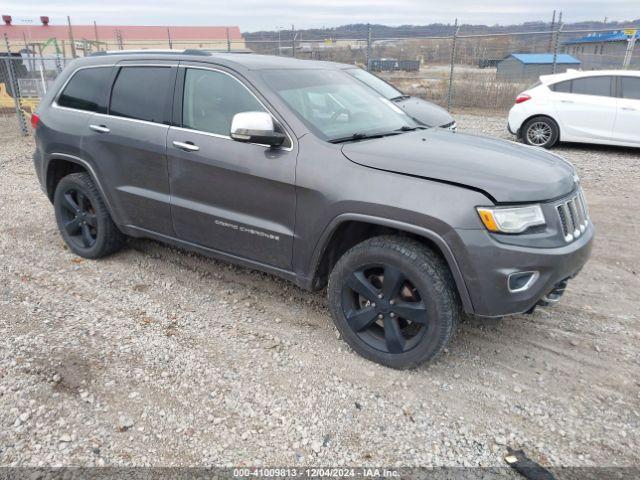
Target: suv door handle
{"type": "Point", "coordinates": [629, 109]}
{"type": "Point", "coordinates": [99, 128]}
{"type": "Point", "coordinates": [566, 101]}
{"type": "Point", "coordinates": [186, 146]}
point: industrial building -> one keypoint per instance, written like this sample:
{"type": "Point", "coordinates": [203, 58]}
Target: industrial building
{"type": "Point", "coordinates": [69, 40]}
{"type": "Point", "coordinates": [604, 50]}
{"type": "Point", "coordinates": [529, 66]}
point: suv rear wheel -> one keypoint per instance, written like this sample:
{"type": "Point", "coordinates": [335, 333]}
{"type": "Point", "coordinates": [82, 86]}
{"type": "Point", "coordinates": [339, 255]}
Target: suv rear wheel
{"type": "Point", "coordinates": [394, 302]}
{"type": "Point", "coordinates": [83, 219]}
{"type": "Point", "coordinates": [540, 132]}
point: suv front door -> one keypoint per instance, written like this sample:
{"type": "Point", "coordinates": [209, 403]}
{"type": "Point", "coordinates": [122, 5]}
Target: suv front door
{"type": "Point", "coordinates": [129, 144]}
{"type": "Point", "coordinates": [237, 198]}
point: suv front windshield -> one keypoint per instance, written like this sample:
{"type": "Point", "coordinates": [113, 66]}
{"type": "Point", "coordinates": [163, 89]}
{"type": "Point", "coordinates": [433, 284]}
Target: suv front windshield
{"type": "Point", "coordinates": [383, 88]}
{"type": "Point", "coordinates": [336, 106]}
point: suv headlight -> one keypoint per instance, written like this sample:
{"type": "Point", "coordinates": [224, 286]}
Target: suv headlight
{"type": "Point", "coordinates": [511, 220]}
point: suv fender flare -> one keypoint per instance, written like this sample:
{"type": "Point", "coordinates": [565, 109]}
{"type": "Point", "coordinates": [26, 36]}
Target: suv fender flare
{"type": "Point", "coordinates": [461, 286]}
{"type": "Point", "coordinates": [83, 163]}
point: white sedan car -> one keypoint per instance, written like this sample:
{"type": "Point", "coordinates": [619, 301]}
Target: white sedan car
{"type": "Point", "coordinates": [590, 107]}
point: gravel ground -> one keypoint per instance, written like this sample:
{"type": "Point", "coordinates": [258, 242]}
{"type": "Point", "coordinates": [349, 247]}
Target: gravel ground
{"type": "Point", "coordinates": [9, 128]}
{"type": "Point", "coordinates": [156, 356]}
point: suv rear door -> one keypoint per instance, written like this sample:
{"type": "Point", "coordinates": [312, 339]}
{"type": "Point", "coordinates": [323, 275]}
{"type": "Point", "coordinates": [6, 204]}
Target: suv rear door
{"type": "Point", "coordinates": [238, 198]}
{"type": "Point", "coordinates": [627, 126]}
{"type": "Point", "coordinates": [128, 144]}
{"type": "Point", "coordinates": [85, 92]}
{"type": "Point", "coordinates": [586, 108]}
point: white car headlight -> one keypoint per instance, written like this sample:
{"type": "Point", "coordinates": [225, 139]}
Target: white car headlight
{"type": "Point", "coordinates": [511, 220]}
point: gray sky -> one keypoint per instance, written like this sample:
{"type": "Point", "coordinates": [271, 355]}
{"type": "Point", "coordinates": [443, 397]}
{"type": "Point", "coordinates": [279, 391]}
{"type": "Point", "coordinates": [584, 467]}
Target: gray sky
{"type": "Point", "coordinates": [253, 15]}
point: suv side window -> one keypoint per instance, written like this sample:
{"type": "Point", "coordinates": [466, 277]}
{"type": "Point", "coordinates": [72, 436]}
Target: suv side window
{"type": "Point", "coordinates": [600, 86]}
{"type": "Point", "coordinates": [141, 93]}
{"type": "Point", "coordinates": [212, 98]}
{"type": "Point", "coordinates": [630, 87]}
{"type": "Point", "coordinates": [86, 90]}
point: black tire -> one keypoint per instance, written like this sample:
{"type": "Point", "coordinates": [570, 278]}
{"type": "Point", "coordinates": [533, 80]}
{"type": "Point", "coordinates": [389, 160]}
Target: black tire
{"type": "Point", "coordinates": [427, 295]}
{"type": "Point", "coordinates": [540, 131]}
{"type": "Point", "coordinates": [83, 219]}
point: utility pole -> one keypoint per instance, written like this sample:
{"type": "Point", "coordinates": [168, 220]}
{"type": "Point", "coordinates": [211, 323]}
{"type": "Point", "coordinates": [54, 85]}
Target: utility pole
{"type": "Point", "coordinates": [40, 52]}
{"type": "Point", "coordinates": [58, 62]}
{"type": "Point", "coordinates": [556, 44]}
{"type": "Point", "coordinates": [95, 31]}
{"type": "Point", "coordinates": [368, 47]}
{"type": "Point", "coordinates": [453, 61]}
{"type": "Point", "coordinates": [631, 43]}
{"type": "Point", "coordinates": [228, 41]}
{"type": "Point", "coordinates": [73, 43]}
{"type": "Point", "coordinates": [42, 69]}
{"type": "Point", "coordinates": [119, 39]}
{"type": "Point", "coordinates": [279, 41]}
{"type": "Point", "coordinates": [293, 41]}
{"type": "Point", "coordinates": [169, 37]}
{"type": "Point", "coordinates": [15, 87]}
{"type": "Point", "coordinates": [553, 27]}
{"type": "Point", "coordinates": [32, 62]}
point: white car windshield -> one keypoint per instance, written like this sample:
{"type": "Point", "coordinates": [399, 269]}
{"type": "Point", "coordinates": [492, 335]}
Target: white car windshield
{"type": "Point", "coordinates": [336, 106]}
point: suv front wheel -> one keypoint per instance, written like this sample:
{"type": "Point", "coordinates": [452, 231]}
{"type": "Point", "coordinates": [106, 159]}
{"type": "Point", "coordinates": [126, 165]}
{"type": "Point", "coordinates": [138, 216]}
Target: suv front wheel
{"type": "Point", "coordinates": [394, 301]}
{"type": "Point", "coordinates": [83, 219]}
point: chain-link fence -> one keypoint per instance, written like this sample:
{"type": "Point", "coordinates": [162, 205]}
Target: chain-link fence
{"type": "Point", "coordinates": [456, 69]}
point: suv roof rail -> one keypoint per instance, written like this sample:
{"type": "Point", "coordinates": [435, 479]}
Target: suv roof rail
{"type": "Point", "coordinates": [224, 50]}
{"type": "Point", "coordinates": [188, 51]}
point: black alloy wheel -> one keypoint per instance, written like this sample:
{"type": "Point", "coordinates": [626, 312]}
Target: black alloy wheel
{"type": "Point", "coordinates": [83, 218]}
{"type": "Point", "coordinates": [394, 301]}
{"type": "Point", "coordinates": [79, 218]}
{"type": "Point", "coordinates": [384, 308]}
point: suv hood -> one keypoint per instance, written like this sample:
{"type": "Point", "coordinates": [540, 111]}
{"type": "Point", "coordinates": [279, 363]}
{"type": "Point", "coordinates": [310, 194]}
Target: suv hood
{"type": "Point", "coordinates": [506, 171]}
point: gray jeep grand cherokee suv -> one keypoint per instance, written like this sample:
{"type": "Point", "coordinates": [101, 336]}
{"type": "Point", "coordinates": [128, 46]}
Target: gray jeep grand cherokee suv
{"type": "Point", "coordinates": [298, 169]}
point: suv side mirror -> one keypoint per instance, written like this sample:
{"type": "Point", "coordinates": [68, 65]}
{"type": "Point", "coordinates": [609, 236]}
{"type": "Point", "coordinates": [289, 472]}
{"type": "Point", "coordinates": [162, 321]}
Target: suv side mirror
{"type": "Point", "coordinates": [255, 127]}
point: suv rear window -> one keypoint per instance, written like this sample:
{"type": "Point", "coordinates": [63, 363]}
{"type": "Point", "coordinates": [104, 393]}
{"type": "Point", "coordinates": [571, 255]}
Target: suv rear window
{"type": "Point", "coordinates": [141, 93]}
{"type": "Point", "coordinates": [87, 90]}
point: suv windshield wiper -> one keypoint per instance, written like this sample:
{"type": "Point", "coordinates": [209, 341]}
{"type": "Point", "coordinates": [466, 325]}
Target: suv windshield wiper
{"type": "Point", "coordinates": [411, 129]}
{"type": "Point", "coordinates": [367, 136]}
{"type": "Point", "coordinates": [362, 136]}
{"type": "Point", "coordinates": [400, 97]}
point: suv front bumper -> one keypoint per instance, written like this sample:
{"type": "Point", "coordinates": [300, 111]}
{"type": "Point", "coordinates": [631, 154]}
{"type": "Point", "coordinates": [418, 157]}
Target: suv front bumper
{"type": "Point", "coordinates": [486, 265]}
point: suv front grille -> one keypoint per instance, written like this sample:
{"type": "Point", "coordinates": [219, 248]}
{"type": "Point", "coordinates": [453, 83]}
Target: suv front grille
{"type": "Point", "coordinates": [574, 216]}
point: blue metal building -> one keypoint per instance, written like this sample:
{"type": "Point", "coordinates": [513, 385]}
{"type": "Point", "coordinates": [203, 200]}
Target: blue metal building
{"type": "Point", "coordinates": [603, 50]}
{"type": "Point", "coordinates": [529, 66]}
